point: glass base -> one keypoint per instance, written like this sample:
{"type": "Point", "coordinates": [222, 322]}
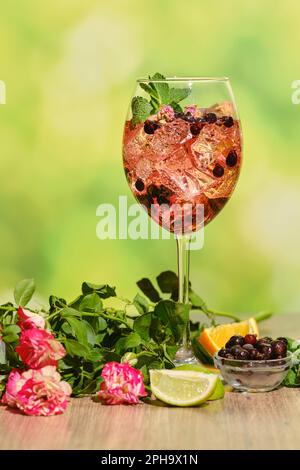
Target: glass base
{"type": "Point", "coordinates": [185, 356]}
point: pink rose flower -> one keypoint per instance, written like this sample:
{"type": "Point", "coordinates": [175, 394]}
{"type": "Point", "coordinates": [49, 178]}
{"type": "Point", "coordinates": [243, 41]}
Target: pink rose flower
{"type": "Point", "coordinates": [122, 384]}
{"type": "Point", "coordinates": [38, 348]}
{"type": "Point", "coordinates": [14, 384]}
{"type": "Point", "coordinates": [37, 392]}
{"type": "Point", "coordinates": [166, 113]}
{"type": "Point", "coordinates": [28, 319]}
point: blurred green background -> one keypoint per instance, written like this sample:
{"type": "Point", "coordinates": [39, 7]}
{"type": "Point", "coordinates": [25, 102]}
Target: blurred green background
{"type": "Point", "coordinates": [70, 67]}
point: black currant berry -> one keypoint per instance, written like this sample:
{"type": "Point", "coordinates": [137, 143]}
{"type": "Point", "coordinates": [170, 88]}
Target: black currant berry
{"type": "Point", "coordinates": [279, 348]}
{"type": "Point", "coordinates": [231, 159]}
{"type": "Point", "coordinates": [139, 184]}
{"type": "Point", "coordinates": [218, 170]}
{"type": "Point", "coordinates": [228, 121]}
{"type": "Point", "coordinates": [210, 118]}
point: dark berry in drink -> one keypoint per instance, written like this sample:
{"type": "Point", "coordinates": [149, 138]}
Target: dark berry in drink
{"type": "Point", "coordinates": [195, 129]}
{"type": "Point", "coordinates": [228, 121]}
{"type": "Point", "coordinates": [163, 200]}
{"type": "Point", "coordinates": [248, 346]}
{"type": "Point", "coordinates": [150, 127]}
{"type": "Point", "coordinates": [188, 117]}
{"type": "Point", "coordinates": [231, 159]}
{"type": "Point", "coordinates": [279, 348]}
{"type": "Point", "coordinates": [145, 200]}
{"type": "Point", "coordinates": [250, 339]}
{"type": "Point", "coordinates": [242, 354]}
{"type": "Point", "coordinates": [139, 184]}
{"type": "Point", "coordinates": [223, 352]}
{"type": "Point", "coordinates": [218, 170]}
{"type": "Point", "coordinates": [153, 190]}
{"type": "Point", "coordinates": [210, 118]}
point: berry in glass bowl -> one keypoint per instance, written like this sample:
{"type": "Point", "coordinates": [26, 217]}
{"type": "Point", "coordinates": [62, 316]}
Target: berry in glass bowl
{"type": "Point", "coordinates": [254, 365]}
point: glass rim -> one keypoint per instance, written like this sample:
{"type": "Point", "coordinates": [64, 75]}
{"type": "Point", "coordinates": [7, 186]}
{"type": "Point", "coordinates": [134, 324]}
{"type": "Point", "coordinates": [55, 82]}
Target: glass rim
{"type": "Point", "coordinates": [183, 79]}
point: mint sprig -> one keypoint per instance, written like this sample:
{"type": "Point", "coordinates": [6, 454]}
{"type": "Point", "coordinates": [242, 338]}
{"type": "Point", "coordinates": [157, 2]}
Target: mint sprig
{"type": "Point", "coordinates": [160, 94]}
{"type": "Point", "coordinates": [140, 110]}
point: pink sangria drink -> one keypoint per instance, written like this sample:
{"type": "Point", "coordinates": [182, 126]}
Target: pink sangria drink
{"type": "Point", "coordinates": [182, 155]}
{"type": "Point", "coordinates": [191, 157]}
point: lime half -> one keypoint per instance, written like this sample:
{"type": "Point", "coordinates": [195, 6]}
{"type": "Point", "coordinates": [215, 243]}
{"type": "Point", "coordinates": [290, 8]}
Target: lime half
{"type": "Point", "coordinates": [219, 390]}
{"type": "Point", "coordinates": [182, 387]}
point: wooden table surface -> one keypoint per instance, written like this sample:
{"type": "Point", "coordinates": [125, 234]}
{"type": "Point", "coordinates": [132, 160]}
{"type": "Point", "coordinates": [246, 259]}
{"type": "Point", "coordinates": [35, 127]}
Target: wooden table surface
{"type": "Point", "coordinates": [239, 421]}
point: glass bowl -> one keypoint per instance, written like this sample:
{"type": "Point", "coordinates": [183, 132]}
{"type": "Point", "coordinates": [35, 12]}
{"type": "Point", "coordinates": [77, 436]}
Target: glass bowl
{"type": "Point", "coordinates": [253, 376]}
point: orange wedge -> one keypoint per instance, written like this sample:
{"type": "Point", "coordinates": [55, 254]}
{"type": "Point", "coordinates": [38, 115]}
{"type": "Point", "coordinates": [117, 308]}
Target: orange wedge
{"type": "Point", "coordinates": [215, 338]}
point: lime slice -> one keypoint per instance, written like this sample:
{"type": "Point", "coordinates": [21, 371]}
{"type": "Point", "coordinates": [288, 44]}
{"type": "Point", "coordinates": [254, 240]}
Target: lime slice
{"type": "Point", "coordinates": [182, 388]}
{"type": "Point", "coordinates": [219, 390]}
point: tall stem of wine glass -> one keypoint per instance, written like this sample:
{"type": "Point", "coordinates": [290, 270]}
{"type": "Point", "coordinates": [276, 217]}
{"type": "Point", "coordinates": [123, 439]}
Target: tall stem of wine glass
{"type": "Point", "coordinates": [184, 354]}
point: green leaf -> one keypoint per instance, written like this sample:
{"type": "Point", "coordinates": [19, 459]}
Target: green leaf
{"type": "Point", "coordinates": [176, 107]}
{"type": "Point", "coordinates": [144, 371]}
{"type": "Point", "coordinates": [170, 351]}
{"type": "Point", "coordinates": [101, 324]}
{"type": "Point", "coordinates": [66, 328]}
{"type": "Point", "coordinates": [90, 333]}
{"type": "Point", "coordinates": [95, 356]}
{"type": "Point", "coordinates": [168, 282]}
{"type": "Point", "coordinates": [56, 303]}
{"type": "Point", "coordinates": [79, 329]}
{"type": "Point", "coordinates": [2, 353]}
{"type": "Point", "coordinates": [103, 290]}
{"type": "Point", "coordinates": [23, 292]}
{"type": "Point", "coordinates": [174, 315]}
{"type": "Point", "coordinates": [197, 301]}
{"type": "Point", "coordinates": [162, 88]}
{"type": "Point", "coordinates": [127, 342]}
{"type": "Point", "coordinates": [142, 324]}
{"type": "Point", "coordinates": [10, 333]}
{"type": "Point", "coordinates": [149, 89]}
{"type": "Point", "coordinates": [179, 94]}
{"type": "Point", "coordinates": [148, 289]}
{"type": "Point", "coordinates": [91, 303]}
{"type": "Point", "coordinates": [140, 108]}
{"type": "Point", "coordinates": [292, 378]}
{"type": "Point", "coordinates": [74, 348]}
{"type": "Point", "coordinates": [69, 312]}
{"type": "Point", "coordinates": [141, 304]}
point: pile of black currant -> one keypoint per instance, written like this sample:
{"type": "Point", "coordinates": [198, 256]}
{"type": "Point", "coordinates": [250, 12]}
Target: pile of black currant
{"type": "Point", "coordinates": [250, 348]}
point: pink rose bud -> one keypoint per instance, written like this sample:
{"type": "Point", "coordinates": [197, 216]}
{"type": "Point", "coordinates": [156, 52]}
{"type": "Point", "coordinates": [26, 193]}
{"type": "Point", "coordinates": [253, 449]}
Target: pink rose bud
{"type": "Point", "coordinates": [28, 319]}
{"type": "Point", "coordinates": [38, 348]}
{"type": "Point", "coordinates": [193, 110]}
{"type": "Point", "coordinates": [38, 392]}
{"type": "Point", "coordinates": [166, 113]}
{"type": "Point", "coordinates": [122, 384]}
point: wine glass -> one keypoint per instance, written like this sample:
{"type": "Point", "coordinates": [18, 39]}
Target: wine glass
{"type": "Point", "coordinates": [182, 157]}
